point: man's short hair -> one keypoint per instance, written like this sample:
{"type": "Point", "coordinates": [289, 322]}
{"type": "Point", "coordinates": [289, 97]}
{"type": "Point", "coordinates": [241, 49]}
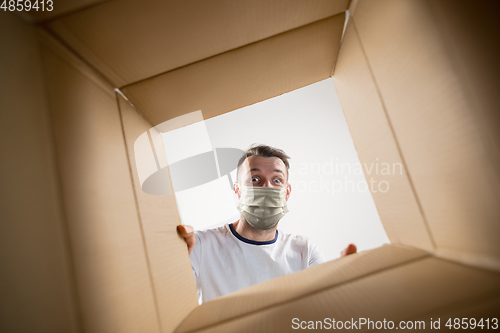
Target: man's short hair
{"type": "Point", "coordinates": [264, 151]}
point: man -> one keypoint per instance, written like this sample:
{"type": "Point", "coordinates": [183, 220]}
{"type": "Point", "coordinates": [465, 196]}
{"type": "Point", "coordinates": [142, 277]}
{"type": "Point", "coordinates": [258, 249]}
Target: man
{"type": "Point", "coordinates": [251, 250]}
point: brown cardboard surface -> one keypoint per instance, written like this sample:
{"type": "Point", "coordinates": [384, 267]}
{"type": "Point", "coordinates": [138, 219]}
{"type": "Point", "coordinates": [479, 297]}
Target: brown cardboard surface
{"type": "Point", "coordinates": [469, 32]}
{"type": "Point", "coordinates": [129, 40]}
{"type": "Point", "coordinates": [415, 288]}
{"type": "Point", "coordinates": [291, 288]}
{"type": "Point", "coordinates": [171, 272]}
{"type": "Point", "coordinates": [111, 269]}
{"type": "Point", "coordinates": [56, 9]}
{"type": "Point", "coordinates": [36, 281]}
{"type": "Point", "coordinates": [371, 130]}
{"type": "Point", "coordinates": [438, 130]}
{"type": "Point", "coordinates": [482, 307]}
{"type": "Point", "coordinates": [243, 76]}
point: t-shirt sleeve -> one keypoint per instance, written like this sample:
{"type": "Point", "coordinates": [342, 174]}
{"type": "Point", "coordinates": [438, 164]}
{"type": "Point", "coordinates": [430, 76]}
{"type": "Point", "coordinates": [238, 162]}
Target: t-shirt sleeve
{"type": "Point", "coordinates": [195, 255]}
{"type": "Point", "coordinates": [315, 255]}
{"type": "Point", "coordinates": [196, 261]}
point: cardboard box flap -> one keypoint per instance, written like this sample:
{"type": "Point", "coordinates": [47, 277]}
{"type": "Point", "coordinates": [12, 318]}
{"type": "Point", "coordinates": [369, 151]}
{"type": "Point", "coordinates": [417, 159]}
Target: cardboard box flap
{"type": "Point", "coordinates": [37, 283]}
{"type": "Point", "coordinates": [470, 33]}
{"type": "Point", "coordinates": [244, 76]}
{"type": "Point", "coordinates": [128, 41]}
{"type": "Point", "coordinates": [292, 287]}
{"type": "Point", "coordinates": [371, 131]}
{"type": "Point", "coordinates": [422, 288]}
{"type": "Point", "coordinates": [170, 268]}
{"type": "Point", "coordinates": [111, 270]}
{"type": "Point", "coordinates": [442, 135]}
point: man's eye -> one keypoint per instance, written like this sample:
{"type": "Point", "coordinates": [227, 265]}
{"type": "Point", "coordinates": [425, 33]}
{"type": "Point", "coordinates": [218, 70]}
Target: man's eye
{"type": "Point", "coordinates": [255, 179]}
{"type": "Point", "coordinates": [277, 180]}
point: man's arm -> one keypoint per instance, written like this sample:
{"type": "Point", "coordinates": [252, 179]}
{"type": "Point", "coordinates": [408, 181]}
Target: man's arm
{"type": "Point", "coordinates": [187, 232]}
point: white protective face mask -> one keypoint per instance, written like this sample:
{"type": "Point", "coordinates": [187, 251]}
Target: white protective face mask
{"type": "Point", "coordinates": [262, 207]}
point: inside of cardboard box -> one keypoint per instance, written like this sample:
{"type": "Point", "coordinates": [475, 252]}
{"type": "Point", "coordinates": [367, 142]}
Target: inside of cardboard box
{"type": "Point", "coordinates": [417, 81]}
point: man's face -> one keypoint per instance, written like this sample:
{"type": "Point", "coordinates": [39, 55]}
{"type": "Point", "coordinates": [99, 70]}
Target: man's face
{"type": "Point", "coordinates": [263, 172]}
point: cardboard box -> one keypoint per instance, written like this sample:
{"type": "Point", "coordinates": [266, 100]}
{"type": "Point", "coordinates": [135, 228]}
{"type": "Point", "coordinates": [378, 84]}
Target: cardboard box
{"type": "Point", "coordinates": [417, 81]}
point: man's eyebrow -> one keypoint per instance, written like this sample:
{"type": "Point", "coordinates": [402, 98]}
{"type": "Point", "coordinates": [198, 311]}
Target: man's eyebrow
{"type": "Point", "coordinates": [275, 170]}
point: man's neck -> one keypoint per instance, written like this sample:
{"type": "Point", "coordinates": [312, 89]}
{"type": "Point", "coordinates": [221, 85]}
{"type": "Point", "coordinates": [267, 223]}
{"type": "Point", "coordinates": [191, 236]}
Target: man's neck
{"type": "Point", "coordinates": [247, 231]}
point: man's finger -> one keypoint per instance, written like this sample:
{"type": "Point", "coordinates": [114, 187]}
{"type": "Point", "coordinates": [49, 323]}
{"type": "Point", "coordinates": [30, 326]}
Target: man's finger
{"type": "Point", "coordinates": [187, 232]}
{"type": "Point", "coordinates": [350, 249]}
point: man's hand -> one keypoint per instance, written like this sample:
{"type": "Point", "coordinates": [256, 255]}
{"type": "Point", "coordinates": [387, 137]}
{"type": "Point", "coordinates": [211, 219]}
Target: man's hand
{"type": "Point", "coordinates": [187, 232]}
{"type": "Point", "coordinates": [350, 249]}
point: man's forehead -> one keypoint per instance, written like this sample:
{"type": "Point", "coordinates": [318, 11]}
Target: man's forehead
{"type": "Point", "coordinates": [261, 162]}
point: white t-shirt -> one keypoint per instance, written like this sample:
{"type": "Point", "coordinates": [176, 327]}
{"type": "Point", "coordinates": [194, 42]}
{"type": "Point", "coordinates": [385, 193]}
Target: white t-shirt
{"type": "Point", "coordinates": [223, 261]}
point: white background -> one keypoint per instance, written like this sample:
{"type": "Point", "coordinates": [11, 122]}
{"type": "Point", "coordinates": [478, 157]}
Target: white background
{"type": "Point", "coordinates": [309, 125]}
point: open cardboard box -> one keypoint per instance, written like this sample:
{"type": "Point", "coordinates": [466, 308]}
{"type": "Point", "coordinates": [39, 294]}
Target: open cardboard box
{"type": "Point", "coordinates": [418, 85]}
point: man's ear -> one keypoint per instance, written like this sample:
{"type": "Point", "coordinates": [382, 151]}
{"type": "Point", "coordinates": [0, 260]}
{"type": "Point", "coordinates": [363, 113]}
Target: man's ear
{"type": "Point", "coordinates": [288, 191]}
{"type": "Point", "coordinates": [237, 190]}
